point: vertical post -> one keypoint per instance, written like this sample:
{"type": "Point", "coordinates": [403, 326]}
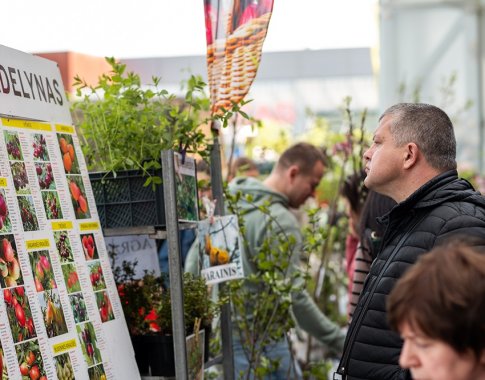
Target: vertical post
{"type": "Point", "coordinates": [218, 194]}
{"type": "Point", "coordinates": [481, 123]}
{"type": "Point", "coordinates": [174, 265]}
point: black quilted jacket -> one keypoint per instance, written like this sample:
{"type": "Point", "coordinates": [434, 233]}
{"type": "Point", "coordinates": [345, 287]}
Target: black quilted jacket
{"type": "Point", "coordinates": [442, 207]}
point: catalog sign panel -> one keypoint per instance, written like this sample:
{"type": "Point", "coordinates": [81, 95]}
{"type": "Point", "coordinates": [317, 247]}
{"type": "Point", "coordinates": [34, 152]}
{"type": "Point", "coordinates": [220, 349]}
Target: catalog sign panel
{"type": "Point", "coordinates": [60, 314]}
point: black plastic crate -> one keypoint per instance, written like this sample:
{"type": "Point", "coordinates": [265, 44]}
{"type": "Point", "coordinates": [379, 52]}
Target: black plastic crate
{"type": "Point", "coordinates": [123, 201]}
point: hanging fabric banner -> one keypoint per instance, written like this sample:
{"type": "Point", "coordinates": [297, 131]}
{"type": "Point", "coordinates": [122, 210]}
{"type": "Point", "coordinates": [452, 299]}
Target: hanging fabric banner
{"type": "Point", "coordinates": [235, 32]}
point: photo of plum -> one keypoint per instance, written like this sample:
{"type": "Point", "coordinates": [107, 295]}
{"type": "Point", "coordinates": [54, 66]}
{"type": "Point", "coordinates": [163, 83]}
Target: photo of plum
{"type": "Point", "coordinates": [5, 224]}
{"type": "Point", "coordinates": [30, 361]}
{"type": "Point", "coordinates": [97, 373]}
{"type": "Point", "coordinates": [89, 247]}
{"type": "Point", "coordinates": [13, 146]}
{"type": "Point", "coordinates": [104, 306]}
{"type": "Point", "coordinates": [64, 368]}
{"type": "Point", "coordinates": [19, 314]}
{"type": "Point", "coordinates": [42, 270]}
{"type": "Point", "coordinates": [10, 273]}
{"type": "Point", "coordinates": [87, 338]}
{"type": "Point", "coordinates": [20, 179]}
{"type": "Point", "coordinates": [71, 278]}
{"type": "Point", "coordinates": [52, 205]}
{"type": "Point", "coordinates": [40, 148]}
{"type": "Point", "coordinates": [69, 159]}
{"type": "Point", "coordinates": [78, 197]}
{"type": "Point", "coordinates": [63, 246]}
{"type": "Point", "coordinates": [79, 309]}
{"type": "Point", "coordinates": [27, 213]}
{"type": "Point", "coordinates": [96, 276]}
{"type": "Point", "coordinates": [50, 304]}
{"type": "Point", "coordinates": [45, 176]}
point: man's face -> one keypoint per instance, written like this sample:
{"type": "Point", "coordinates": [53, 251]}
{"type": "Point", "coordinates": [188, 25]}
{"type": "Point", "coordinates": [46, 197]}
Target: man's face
{"type": "Point", "coordinates": [302, 186]}
{"type": "Point", "coordinates": [383, 160]}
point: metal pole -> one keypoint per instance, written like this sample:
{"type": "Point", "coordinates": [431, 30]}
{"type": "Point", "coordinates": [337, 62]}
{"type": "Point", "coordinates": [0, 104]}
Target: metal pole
{"type": "Point", "coordinates": [174, 265]}
{"type": "Point", "coordinates": [218, 194]}
{"type": "Point", "coordinates": [481, 124]}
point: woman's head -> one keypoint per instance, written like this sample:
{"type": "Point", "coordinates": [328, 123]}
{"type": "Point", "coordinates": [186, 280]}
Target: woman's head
{"type": "Point", "coordinates": [438, 306]}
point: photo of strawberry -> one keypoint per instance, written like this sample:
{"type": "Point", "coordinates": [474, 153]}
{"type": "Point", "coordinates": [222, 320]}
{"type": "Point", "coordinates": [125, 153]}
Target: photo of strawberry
{"type": "Point", "coordinates": [89, 247]}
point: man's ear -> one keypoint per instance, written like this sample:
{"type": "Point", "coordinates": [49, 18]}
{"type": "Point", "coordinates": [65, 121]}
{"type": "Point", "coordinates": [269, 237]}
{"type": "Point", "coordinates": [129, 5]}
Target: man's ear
{"type": "Point", "coordinates": [293, 171]}
{"type": "Point", "coordinates": [411, 154]}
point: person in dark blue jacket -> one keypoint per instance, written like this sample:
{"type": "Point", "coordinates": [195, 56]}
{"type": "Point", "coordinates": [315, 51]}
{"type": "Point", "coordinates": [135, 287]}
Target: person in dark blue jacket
{"type": "Point", "coordinates": [413, 161]}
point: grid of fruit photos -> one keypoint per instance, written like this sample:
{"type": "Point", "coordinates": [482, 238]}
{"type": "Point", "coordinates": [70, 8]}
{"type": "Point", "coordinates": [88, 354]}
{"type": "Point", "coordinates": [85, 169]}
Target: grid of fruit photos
{"type": "Point", "coordinates": [59, 296]}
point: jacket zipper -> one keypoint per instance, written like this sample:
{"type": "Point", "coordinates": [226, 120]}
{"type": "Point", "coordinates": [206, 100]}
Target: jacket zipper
{"type": "Point", "coordinates": [343, 366]}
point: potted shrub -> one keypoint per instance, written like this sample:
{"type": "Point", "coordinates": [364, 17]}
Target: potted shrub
{"type": "Point", "coordinates": [147, 308]}
{"type": "Point", "coordinates": [122, 126]}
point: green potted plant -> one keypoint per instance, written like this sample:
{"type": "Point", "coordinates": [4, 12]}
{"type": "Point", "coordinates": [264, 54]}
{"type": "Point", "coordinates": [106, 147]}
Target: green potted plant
{"type": "Point", "coordinates": [122, 126]}
{"type": "Point", "coordinates": [147, 308]}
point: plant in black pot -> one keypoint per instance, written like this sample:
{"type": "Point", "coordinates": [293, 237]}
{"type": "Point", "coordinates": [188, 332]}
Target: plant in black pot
{"type": "Point", "coordinates": [122, 126]}
{"type": "Point", "coordinates": [147, 308]}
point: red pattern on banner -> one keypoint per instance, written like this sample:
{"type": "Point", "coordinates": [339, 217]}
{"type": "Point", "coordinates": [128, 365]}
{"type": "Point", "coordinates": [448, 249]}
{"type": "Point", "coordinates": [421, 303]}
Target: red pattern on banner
{"type": "Point", "coordinates": [235, 32]}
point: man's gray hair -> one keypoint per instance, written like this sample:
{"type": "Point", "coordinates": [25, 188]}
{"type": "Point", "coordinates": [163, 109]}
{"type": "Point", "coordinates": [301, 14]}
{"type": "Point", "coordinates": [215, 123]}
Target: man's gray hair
{"type": "Point", "coordinates": [429, 128]}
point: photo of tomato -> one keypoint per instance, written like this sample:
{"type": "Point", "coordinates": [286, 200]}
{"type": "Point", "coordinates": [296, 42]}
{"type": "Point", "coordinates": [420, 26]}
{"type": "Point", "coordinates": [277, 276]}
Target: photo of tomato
{"type": "Point", "coordinates": [79, 309]}
{"type": "Point", "coordinates": [19, 314]}
{"type": "Point", "coordinates": [45, 176]}
{"type": "Point", "coordinates": [40, 148]}
{"type": "Point", "coordinates": [27, 213]}
{"type": "Point", "coordinates": [30, 361]}
{"type": "Point", "coordinates": [10, 272]}
{"type": "Point", "coordinates": [78, 197]}
{"type": "Point", "coordinates": [104, 306]}
{"type": "Point", "coordinates": [50, 304]}
{"type": "Point", "coordinates": [87, 338]}
{"type": "Point", "coordinates": [64, 368]}
{"type": "Point", "coordinates": [69, 159]}
{"type": "Point", "coordinates": [52, 205]}
{"type": "Point", "coordinates": [71, 278]}
{"type": "Point", "coordinates": [96, 275]}
{"type": "Point", "coordinates": [97, 373]}
{"type": "Point", "coordinates": [63, 246]}
{"type": "Point", "coordinates": [20, 178]}
{"type": "Point", "coordinates": [5, 224]}
{"type": "Point", "coordinates": [89, 247]}
{"type": "Point", "coordinates": [13, 146]}
{"type": "Point", "coordinates": [42, 271]}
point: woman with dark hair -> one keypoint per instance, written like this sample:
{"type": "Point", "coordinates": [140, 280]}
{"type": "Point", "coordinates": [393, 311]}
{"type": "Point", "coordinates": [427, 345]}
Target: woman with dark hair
{"type": "Point", "coordinates": [438, 307]}
{"type": "Point", "coordinates": [370, 232]}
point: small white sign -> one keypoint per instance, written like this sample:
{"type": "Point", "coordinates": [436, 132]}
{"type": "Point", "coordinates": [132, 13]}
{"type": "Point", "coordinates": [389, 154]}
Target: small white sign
{"type": "Point", "coordinates": [32, 87]}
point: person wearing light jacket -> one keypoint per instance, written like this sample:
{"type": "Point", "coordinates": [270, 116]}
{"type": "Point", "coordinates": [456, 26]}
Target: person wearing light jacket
{"type": "Point", "coordinates": [292, 181]}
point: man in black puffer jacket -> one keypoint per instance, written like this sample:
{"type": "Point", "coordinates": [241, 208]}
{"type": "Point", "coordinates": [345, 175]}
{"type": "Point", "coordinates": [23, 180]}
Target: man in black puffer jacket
{"type": "Point", "coordinates": [412, 160]}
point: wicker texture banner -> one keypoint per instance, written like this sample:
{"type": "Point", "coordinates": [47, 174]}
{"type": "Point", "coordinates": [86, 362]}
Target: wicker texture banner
{"type": "Point", "coordinates": [235, 31]}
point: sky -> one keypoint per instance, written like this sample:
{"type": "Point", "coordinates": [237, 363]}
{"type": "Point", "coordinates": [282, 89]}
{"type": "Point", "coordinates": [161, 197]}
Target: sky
{"type": "Point", "coordinates": [160, 28]}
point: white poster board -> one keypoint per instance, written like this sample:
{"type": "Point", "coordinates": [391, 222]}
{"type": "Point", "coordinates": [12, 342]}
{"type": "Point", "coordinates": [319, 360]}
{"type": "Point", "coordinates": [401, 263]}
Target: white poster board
{"type": "Point", "coordinates": [59, 307]}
